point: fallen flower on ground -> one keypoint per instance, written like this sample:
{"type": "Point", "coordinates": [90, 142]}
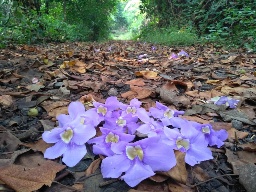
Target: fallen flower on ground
{"type": "Point", "coordinates": [211, 136]}
{"type": "Point", "coordinates": [224, 100]}
{"type": "Point", "coordinates": [103, 144]}
{"type": "Point", "coordinates": [182, 53]}
{"type": "Point", "coordinates": [70, 136]}
{"type": "Point", "coordinates": [138, 160]}
{"type": "Point", "coordinates": [190, 141]}
{"type": "Point", "coordinates": [164, 113]}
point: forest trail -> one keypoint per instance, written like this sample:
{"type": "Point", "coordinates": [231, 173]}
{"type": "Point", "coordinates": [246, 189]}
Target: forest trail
{"type": "Point", "coordinates": [37, 82]}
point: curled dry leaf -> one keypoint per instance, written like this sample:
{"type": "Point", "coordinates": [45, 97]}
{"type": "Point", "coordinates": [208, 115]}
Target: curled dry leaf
{"type": "Point", "coordinates": [93, 166]}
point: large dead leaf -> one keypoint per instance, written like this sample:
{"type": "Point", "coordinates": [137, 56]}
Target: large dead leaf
{"type": "Point", "coordinates": [179, 172]}
{"type": "Point", "coordinates": [24, 179]}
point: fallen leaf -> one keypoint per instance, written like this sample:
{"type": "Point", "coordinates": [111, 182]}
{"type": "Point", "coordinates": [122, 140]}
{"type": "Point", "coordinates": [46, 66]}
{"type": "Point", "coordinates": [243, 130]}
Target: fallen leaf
{"type": "Point", "coordinates": [6, 100]}
{"type": "Point", "coordinates": [141, 92]}
{"type": "Point", "coordinates": [40, 145]}
{"type": "Point", "coordinates": [93, 166]}
{"type": "Point", "coordinates": [24, 179]}
{"type": "Point", "coordinates": [179, 171]}
{"type": "Point", "coordinates": [176, 187]}
{"type": "Point", "coordinates": [248, 147]}
{"type": "Point", "coordinates": [233, 133]}
{"type": "Point", "coordinates": [137, 82]}
{"type": "Point", "coordinates": [147, 74]}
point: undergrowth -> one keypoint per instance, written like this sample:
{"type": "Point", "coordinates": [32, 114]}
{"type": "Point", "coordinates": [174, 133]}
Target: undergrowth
{"type": "Point", "coordinates": [169, 36]}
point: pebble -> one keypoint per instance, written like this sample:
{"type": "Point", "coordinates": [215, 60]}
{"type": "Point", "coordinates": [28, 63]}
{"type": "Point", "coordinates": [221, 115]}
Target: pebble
{"type": "Point", "coordinates": [112, 92]}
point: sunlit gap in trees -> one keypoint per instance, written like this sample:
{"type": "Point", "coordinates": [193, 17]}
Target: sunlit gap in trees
{"type": "Point", "coordinates": [127, 20]}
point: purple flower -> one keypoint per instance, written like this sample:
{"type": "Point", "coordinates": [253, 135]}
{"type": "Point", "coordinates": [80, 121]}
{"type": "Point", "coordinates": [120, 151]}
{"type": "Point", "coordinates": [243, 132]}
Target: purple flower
{"type": "Point", "coordinates": [164, 113]}
{"type": "Point", "coordinates": [70, 136]}
{"type": "Point", "coordinates": [135, 110]}
{"type": "Point", "coordinates": [138, 160]}
{"type": "Point", "coordinates": [190, 141]}
{"type": "Point", "coordinates": [224, 100]}
{"type": "Point", "coordinates": [121, 121]}
{"type": "Point", "coordinates": [108, 140]}
{"type": "Point", "coordinates": [142, 56]}
{"type": "Point", "coordinates": [105, 110]}
{"type": "Point", "coordinates": [212, 137]}
{"type": "Point", "coordinates": [182, 53]}
{"type": "Point", "coordinates": [151, 128]}
{"type": "Point", "coordinates": [153, 48]}
{"type": "Point", "coordinates": [173, 56]}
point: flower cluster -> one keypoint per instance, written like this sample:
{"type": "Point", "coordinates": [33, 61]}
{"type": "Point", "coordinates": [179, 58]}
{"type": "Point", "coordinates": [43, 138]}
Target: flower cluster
{"type": "Point", "coordinates": [136, 143]}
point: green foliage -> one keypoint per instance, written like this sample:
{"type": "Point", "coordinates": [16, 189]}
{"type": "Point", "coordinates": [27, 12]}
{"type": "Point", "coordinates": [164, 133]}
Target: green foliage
{"type": "Point", "coordinates": [169, 36]}
{"type": "Point", "coordinates": [219, 21]}
{"type": "Point", "coordinates": [38, 21]}
{"type": "Point", "coordinates": [92, 18]}
{"type": "Point", "coordinates": [238, 25]}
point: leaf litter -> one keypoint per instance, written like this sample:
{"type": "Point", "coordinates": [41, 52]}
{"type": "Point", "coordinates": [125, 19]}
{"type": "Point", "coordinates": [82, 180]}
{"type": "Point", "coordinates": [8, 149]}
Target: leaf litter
{"type": "Point", "coordinates": [48, 78]}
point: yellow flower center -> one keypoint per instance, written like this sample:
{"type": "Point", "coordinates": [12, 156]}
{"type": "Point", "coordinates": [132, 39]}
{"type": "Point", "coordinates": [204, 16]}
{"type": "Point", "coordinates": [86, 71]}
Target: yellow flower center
{"type": "Point", "coordinates": [102, 110]}
{"type": "Point", "coordinates": [206, 129]}
{"type": "Point", "coordinates": [133, 152]}
{"type": "Point", "coordinates": [67, 135]}
{"type": "Point", "coordinates": [121, 122]}
{"type": "Point", "coordinates": [168, 113]}
{"type": "Point", "coordinates": [132, 110]}
{"type": "Point", "coordinates": [111, 138]}
{"type": "Point", "coordinates": [182, 143]}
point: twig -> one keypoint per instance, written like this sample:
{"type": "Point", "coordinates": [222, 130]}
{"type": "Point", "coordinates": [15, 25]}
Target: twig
{"type": "Point", "coordinates": [212, 179]}
{"type": "Point", "coordinates": [103, 184]}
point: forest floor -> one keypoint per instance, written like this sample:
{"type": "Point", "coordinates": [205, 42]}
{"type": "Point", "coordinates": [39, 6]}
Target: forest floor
{"type": "Point", "coordinates": [46, 78]}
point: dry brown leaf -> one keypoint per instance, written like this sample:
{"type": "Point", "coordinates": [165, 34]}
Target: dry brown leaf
{"type": "Point", "coordinates": [137, 82]}
{"type": "Point", "coordinates": [40, 145]}
{"type": "Point", "coordinates": [151, 186]}
{"type": "Point", "coordinates": [147, 74]}
{"type": "Point", "coordinates": [129, 94]}
{"type": "Point", "coordinates": [233, 133]}
{"type": "Point", "coordinates": [195, 118]}
{"type": "Point", "coordinates": [200, 174]}
{"type": "Point", "coordinates": [221, 125]}
{"type": "Point", "coordinates": [142, 92]}
{"type": "Point", "coordinates": [50, 105]}
{"type": "Point", "coordinates": [179, 172]}
{"type": "Point", "coordinates": [6, 100]}
{"type": "Point", "coordinates": [158, 178]}
{"type": "Point", "coordinates": [175, 187]}
{"type": "Point", "coordinates": [93, 166]}
{"type": "Point", "coordinates": [249, 157]}
{"type": "Point", "coordinates": [248, 147]}
{"type": "Point", "coordinates": [24, 179]}
{"type": "Point", "coordinates": [229, 60]}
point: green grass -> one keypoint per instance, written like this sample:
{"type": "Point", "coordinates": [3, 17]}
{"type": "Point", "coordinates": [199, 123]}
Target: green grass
{"type": "Point", "coordinates": [169, 36]}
